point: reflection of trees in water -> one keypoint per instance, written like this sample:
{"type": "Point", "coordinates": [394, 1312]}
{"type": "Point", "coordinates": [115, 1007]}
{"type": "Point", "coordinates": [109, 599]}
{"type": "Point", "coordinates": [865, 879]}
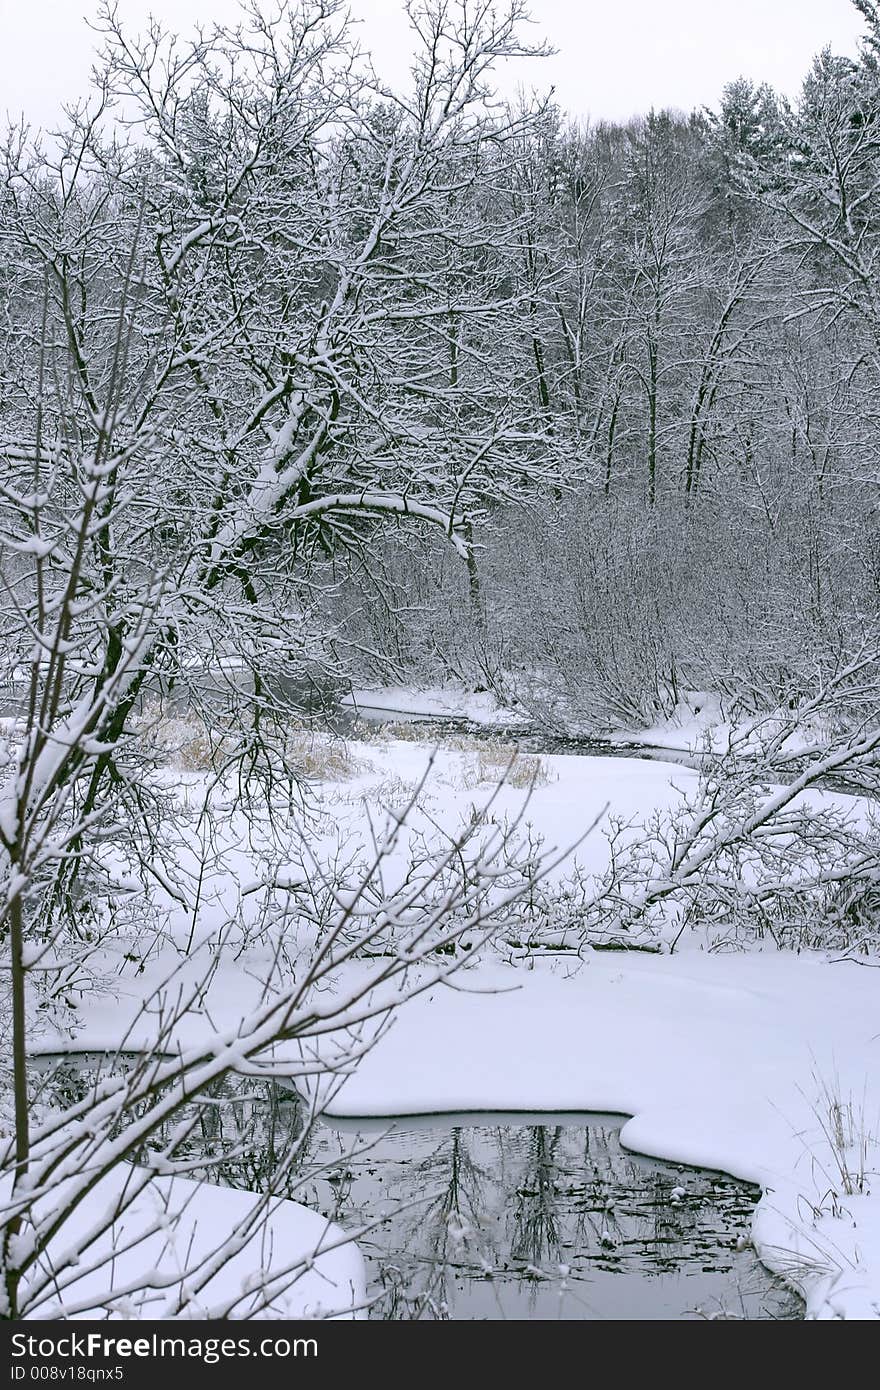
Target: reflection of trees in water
{"type": "Point", "coordinates": [239, 1133]}
{"type": "Point", "coordinates": [672, 1221]}
{"type": "Point", "coordinates": [535, 1236]}
{"type": "Point", "coordinates": [571, 1204]}
{"type": "Point", "coordinates": [548, 1209]}
{"type": "Point", "coordinates": [594, 1163]}
{"type": "Point", "coordinates": [634, 1209]}
{"type": "Point", "coordinates": [249, 1134]}
{"type": "Point", "coordinates": [483, 1207]}
{"type": "Point", "coordinates": [449, 1233]}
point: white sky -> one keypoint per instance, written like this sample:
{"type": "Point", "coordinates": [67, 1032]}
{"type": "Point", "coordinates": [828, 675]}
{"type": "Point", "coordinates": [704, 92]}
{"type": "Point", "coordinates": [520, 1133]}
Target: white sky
{"type": "Point", "coordinates": [615, 57]}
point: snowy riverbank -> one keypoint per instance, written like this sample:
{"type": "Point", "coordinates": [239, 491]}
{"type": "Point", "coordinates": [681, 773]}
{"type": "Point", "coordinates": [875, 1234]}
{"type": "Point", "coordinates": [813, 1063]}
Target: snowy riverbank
{"type": "Point", "coordinates": [756, 1064]}
{"type": "Point", "coordinates": [763, 1063]}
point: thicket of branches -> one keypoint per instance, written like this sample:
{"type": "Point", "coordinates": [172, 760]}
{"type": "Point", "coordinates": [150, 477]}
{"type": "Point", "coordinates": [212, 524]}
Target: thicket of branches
{"type": "Point", "coordinates": [225, 287]}
{"type": "Point", "coordinates": [697, 339]}
{"type": "Point", "coordinates": [302, 378]}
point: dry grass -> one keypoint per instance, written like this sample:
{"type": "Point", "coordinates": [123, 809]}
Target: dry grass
{"type": "Point", "coordinates": [395, 791]}
{"type": "Point", "coordinates": [851, 1139]}
{"type": "Point", "coordinates": [491, 761]}
{"type": "Point", "coordinates": [184, 742]}
{"type": "Point", "coordinates": [403, 731]}
{"type": "Point", "coordinates": [309, 755]}
{"type": "Point", "coordinates": [486, 760]}
{"type": "Point", "coordinates": [317, 757]}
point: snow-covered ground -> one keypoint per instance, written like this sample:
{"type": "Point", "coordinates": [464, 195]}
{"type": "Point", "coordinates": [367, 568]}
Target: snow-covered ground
{"type": "Point", "coordinates": [765, 1064]}
{"type": "Point", "coordinates": [697, 721]}
{"type": "Point", "coordinates": [437, 702]}
{"type": "Point", "coordinates": [754, 1064]}
{"type": "Point", "coordinates": [700, 723]}
{"type": "Point", "coordinates": [306, 1263]}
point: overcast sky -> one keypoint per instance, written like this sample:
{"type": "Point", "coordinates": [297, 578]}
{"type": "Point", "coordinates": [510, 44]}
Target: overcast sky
{"type": "Point", "coordinates": [615, 57]}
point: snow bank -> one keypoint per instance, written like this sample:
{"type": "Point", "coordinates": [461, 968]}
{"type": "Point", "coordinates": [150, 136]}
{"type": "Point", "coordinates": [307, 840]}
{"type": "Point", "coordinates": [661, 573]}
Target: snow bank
{"type": "Point", "coordinates": [311, 1269]}
{"type": "Point", "coordinates": [728, 1062]}
{"type": "Point", "coordinates": [439, 702]}
{"type": "Point", "coordinates": [699, 722]}
{"type": "Point", "coordinates": [763, 1064]}
{"type": "Point", "coordinates": [722, 1061]}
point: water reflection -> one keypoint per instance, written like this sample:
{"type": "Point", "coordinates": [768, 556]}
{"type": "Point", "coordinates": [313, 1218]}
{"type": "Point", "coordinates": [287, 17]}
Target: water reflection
{"type": "Point", "coordinates": [528, 1220]}
{"type": "Point", "coordinates": [492, 1216]}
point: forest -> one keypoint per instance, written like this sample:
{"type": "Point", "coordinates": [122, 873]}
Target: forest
{"type": "Point", "coordinates": [312, 390]}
